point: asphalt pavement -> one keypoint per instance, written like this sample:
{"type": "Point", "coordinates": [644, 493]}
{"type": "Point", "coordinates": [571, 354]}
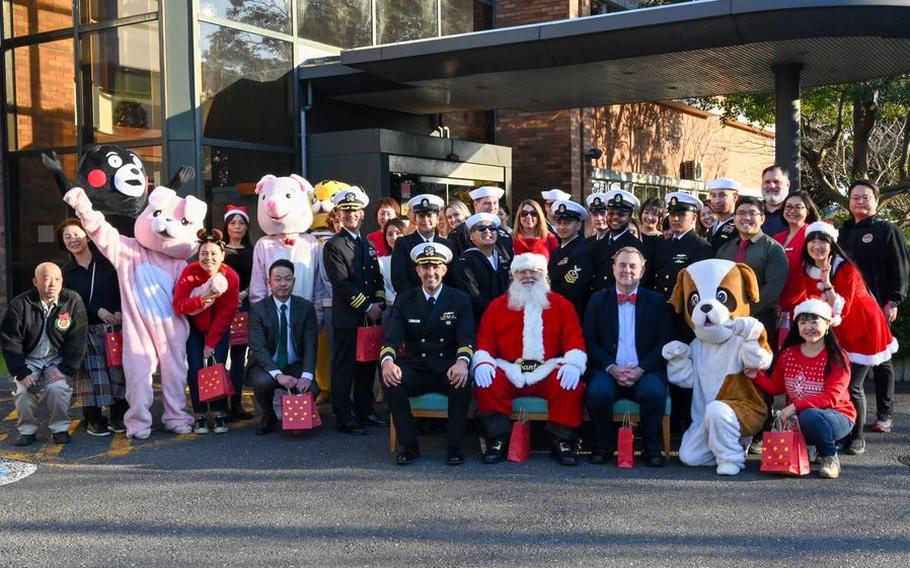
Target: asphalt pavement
{"type": "Point", "coordinates": [322, 499]}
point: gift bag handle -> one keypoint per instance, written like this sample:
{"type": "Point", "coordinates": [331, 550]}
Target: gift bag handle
{"type": "Point", "coordinates": [627, 421]}
{"type": "Point", "coordinates": [205, 362]}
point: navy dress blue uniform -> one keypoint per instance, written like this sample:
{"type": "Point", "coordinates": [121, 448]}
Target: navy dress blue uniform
{"type": "Point", "coordinates": [433, 337]}
{"type": "Point", "coordinates": [473, 274]}
{"type": "Point", "coordinates": [571, 271]}
{"type": "Point", "coordinates": [602, 251]}
{"type": "Point", "coordinates": [404, 273]}
{"type": "Point", "coordinates": [725, 232]}
{"type": "Point", "coordinates": [669, 257]}
{"type": "Point", "coordinates": [460, 241]}
{"type": "Point", "coordinates": [653, 330]}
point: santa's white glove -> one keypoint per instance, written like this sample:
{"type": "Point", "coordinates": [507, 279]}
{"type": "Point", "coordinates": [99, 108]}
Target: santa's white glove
{"type": "Point", "coordinates": [748, 328]}
{"type": "Point", "coordinates": [483, 375]}
{"type": "Point", "coordinates": [675, 350]}
{"type": "Point", "coordinates": [568, 376]}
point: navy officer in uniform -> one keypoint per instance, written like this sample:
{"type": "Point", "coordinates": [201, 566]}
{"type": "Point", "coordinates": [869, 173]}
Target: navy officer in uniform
{"type": "Point", "coordinates": [358, 295]}
{"type": "Point", "coordinates": [550, 197]}
{"type": "Point", "coordinates": [597, 213]}
{"type": "Point", "coordinates": [570, 266]}
{"type": "Point", "coordinates": [426, 218]}
{"type": "Point", "coordinates": [724, 193]}
{"type": "Point", "coordinates": [481, 271]}
{"type": "Point", "coordinates": [486, 200]}
{"type": "Point", "coordinates": [619, 207]}
{"type": "Point", "coordinates": [435, 324]}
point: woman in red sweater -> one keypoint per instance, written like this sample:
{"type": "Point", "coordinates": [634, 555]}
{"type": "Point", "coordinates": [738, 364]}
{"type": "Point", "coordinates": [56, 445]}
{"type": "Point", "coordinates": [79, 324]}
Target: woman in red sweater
{"type": "Point", "coordinates": [531, 233]}
{"type": "Point", "coordinates": [814, 373]}
{"type": "Point", "coordinates": [208, 292]}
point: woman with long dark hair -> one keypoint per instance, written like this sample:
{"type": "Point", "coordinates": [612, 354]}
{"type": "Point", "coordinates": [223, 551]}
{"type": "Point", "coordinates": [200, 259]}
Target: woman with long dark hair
{"type": "Point", "coordinates": [863, 333]}
{"type": "Point", "coordinates": [814, 373]}
{"type": "Point", "coordinates": [238, 254]}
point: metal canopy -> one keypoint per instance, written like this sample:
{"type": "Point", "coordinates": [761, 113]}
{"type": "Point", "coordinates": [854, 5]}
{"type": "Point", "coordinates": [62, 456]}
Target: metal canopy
{"type": "Point", "coordinates": [714, 47]}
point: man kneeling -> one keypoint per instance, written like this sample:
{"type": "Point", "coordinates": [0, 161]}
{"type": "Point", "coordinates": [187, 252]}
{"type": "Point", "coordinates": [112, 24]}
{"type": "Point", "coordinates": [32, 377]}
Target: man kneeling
{"type": "Point", "coordinates": [436, 326]}
{"type": "Point", "coordinates": [530, 343]}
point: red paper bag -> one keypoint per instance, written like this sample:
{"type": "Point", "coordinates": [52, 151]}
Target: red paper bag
{"type": "Point", "coordinates": [369, 342]}
{"type": "Point", "coordinates": [113, 348]}
{"type": "Point", "coordinates": [297, 411]}
{"type": "Point", "coordinates": [239, 329]}
{"type": "Point", "coordinates": [520, 440]}
{"type": "Point", "coordinates": [784, 450]}
{"type": "Point", "coordinates": [214, 383]}
{"type": "Point", "coordinates": [625, 444]}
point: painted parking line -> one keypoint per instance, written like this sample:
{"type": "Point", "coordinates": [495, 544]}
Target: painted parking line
{"type": "Point", "coordinates": [12, 416]}
{"type": "Point", "coordinates": [120, 446]}
{"type": "Point", "coordinates": [49, 451]}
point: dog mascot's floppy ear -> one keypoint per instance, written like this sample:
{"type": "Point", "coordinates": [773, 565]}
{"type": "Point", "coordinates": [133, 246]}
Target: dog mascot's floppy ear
{"type": "Point", "coordinates": [750, 282]}
{"type": "Point", "coordinates": [678, 297]}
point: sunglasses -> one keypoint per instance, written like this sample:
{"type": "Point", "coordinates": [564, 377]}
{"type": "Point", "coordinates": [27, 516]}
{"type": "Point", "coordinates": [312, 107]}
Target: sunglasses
{"type": "Point", "coordinates": [490, 228]}
{"type": "Point", "coordinates": [530, 213]}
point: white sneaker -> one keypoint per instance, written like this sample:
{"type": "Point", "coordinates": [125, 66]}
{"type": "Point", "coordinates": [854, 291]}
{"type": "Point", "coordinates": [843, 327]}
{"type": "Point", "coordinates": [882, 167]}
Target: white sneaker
{"type": "Point", "coordinates": [219, 425]}
{"type": "Point", "coordinates": [830, 468]}
{"type": "Point", "coordinates": [201, 426]}
{"type": "Point", "coordinates": [727, 469]}
{"type": "Point", "coordinates": [143, 435]}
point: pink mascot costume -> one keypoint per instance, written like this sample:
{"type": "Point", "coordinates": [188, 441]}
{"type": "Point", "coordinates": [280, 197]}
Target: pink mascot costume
{"type": "Point", "coordinates": [148, 266]}
{"type": "Point", "coordinates": [284, 215]}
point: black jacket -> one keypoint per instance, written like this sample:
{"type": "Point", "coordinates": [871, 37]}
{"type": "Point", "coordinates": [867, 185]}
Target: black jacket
{"type": "Point", "coordinates": [105, 293]}
{"type": "Point", "coordinates": [404, 274]}
{"type": "Point", "coordinates": [473, 274]}
{"type": "Point", "coordinates": [602, 252]}
{"type": "Point", "coordinates": [669, 257]}
{"type": "Point", "coordinates": [725, 233]}
{"type": "Point", "coordinates": [67, 327]}
{"type": "Point", "coordinates": [353, 271]}
{"type": "Point", "coordinates": [571, 270]}
{"type": "Point", "coordinates": [879, 250]}
{"type": "Point", "coordinates": [263, 333]}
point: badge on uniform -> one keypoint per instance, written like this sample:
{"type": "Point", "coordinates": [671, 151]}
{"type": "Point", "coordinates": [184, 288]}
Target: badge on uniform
{"type": "Point", "coordinates": [413, 321]}
{"type": "Point", "coordinates": [572, 275]}
{"type": "Point", "coordinates": [447, 317]}
{"type": "Point", "coordinates": [680, 258]}
{"type": "Point", "coordinates": [563, 261]}
{"type": "Point", "coordinates": [63, 322]}
{"type": "Point", "coordinates": [867, 238]}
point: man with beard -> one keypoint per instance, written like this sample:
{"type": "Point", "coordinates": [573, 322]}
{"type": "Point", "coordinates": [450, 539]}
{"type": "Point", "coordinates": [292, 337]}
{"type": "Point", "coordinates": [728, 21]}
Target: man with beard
{"type": "Point", "coordinates": [570, 265]}
{"type": "Point", "coordinates": [530, 343]}
{"type": "Point", "coordinates": [486, 200]}
{"type": "Point", "coordinates": [724, 193]}
{"type": "Point", "coordinates": [775, 187]}
{"type": "Point", "coordinates": [620, 204]}
{"type": "Point", "coordinates": [480, 271]}
{"type": "Point", "coordinates": [425, 208]}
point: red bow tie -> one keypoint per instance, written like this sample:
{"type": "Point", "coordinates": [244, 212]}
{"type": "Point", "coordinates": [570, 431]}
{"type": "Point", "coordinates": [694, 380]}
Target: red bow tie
{"type": "Point", "coordinates": [289, 241]}
{"type": "Point", "coordinates": [622, 298]}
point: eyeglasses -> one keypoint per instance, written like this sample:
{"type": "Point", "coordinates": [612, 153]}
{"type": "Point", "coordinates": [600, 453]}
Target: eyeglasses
{"type": "Point", "coordinates": [529, 213]}
{"type": "Point", "coordinates": [862, 198]}
{"type": "Point", "coordinates": [799, 207]}
{"type": "Point", "coordinates": [490, 228]}
{"type": "Point", "coordinates": [749, 214]}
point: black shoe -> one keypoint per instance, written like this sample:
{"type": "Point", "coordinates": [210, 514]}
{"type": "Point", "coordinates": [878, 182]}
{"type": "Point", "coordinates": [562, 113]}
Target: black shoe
{"type": "Point", "coordinates": [26, 440]}
{"type": "Point", "coordinates": [406, 455]}
{"type": "Point", "coordinates": [856, 448]}
{"type": "Point", "coordinates": [454, 456]}
{"type": "Point", "coordinates": [654, 460]}
{"type": "Point", "coordinates": [265, 427]}
{"type": "Point", "coordinates": [373, 420]}
{"type": "Point", "coordinates": [116, 425]}
{"type": "Point", "coordinates": [352, 428]}
{"type": "Point", "coordinates": [62, 438]}
{"type": "Point", "coordinates": [564, 453]}
{"type": "Point", "coordinates": [218, 425]}
{"type": "Point", "coordinates": [97, 429]}
{"type": "Point", "coordinates": [239, 416]}
{"type": "Point", "coordinates": [601, 456]}
{"type": "Point", "coordinates": [496, 452]}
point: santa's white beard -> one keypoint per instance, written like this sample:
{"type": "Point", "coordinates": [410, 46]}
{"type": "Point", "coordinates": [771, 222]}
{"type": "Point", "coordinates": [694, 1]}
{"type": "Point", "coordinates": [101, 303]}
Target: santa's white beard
{"type": "Point", "coordinates": [521, 296]}
{"type": "Point", "coordinates": [532, 300]}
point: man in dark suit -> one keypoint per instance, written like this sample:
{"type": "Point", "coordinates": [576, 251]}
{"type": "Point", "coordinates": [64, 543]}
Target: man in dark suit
{"type": "Point", "coordinates": [426, 218]}
{"type": "Point", "coordinates": [435, 324]}
{"type": "Point", "coordinates": [358, 295]}
{"type": "Point", "coordinates": [481, 272]}
{"type": "Point", "coordinates": [625, 329]}
{"type": "Point", "coordinates": [282, 340]}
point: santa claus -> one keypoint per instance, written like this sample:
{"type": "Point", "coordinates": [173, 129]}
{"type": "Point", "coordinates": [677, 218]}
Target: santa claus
{"type": "Point", "coordinates": [530, 343]}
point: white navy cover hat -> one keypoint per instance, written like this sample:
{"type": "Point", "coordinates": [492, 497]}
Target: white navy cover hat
{"type": "Point", "coordinates": [724, 183]}
{"type": "Point", "coordinates": [621, 199]}
{"type": "Point", "coordinates": [487, 191]}
{"type": "Point", "coordinates": [555, 194]}
{"type": "Point", "coordinates": [679, 201]}
{"type": "Point", "coordinates": [482, 218]}
{"type": "Point", "coordinates": [351, 199]}
{"type": "Point", "coordinates": [425, 202]}
{"type": "Point", "coordinates": [431, 253]}
{"type": "Point", "coordinates": [563, 209]}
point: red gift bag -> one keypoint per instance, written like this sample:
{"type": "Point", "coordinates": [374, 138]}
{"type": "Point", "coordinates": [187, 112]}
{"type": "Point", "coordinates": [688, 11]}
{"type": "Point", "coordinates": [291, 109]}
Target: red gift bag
{"type": "Point", "coordinates": [625, 444]}
{"type": "Point", "coordinates": [520, 440]}
{"type": "Point", "coordinates": [784, 449]}
{"type": "Point", "coordinates": [113, 348]}
{"type": "Point", "coordinates": [239, 329]}
{"type": "Point", "coordinates": [369, 342]}
{"type": "Point", "coordinates": [214, 383]}
{"type": "Point", "coordinates": [297, 411]}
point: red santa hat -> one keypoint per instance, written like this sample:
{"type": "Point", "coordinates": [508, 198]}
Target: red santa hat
{"type": "Point", "coordinates": [529, 261]}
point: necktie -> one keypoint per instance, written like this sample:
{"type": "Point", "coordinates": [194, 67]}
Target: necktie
{"type": "Point", "coordinates": [622, 298]}
{"type": "Point", "coordinates": [741, 253]}
{"type": "Point", "coordinates": [282, 361]}
{"type": "Point", "coordinates": [431, 301]}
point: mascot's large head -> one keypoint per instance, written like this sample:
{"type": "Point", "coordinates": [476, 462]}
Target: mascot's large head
{"type": "Point", "coordinates": [323, 193]}
{"type": "Point", "coordinates": [169, 224]}
{"type": "Point", "coordinates": [285, 204]}
{"type": "Point", "coordinates": [711, 293]}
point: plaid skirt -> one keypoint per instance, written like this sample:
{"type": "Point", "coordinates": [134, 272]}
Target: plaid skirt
{"type": "Point", "coordinates": [96, 385]}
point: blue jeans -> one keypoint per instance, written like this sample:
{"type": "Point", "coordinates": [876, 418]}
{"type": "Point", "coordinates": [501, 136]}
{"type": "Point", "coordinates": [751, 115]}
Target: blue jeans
{"type": "Point", "coordinates": [650, 392]}
{"type": "Point", "coordinates": [194, 347]}
{"type": "Point", "coordinates": [822, 428]}
{"type": "Point", "coordinates": [238, 365]}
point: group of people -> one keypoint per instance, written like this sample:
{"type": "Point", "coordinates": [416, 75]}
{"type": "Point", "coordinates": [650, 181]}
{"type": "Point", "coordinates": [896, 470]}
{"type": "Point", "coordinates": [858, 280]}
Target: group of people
{"type": "Point", "coordinates": [475, 309]}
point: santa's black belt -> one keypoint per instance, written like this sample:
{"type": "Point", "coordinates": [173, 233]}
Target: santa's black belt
{"type": "Point", "coordinates": [528, 365]}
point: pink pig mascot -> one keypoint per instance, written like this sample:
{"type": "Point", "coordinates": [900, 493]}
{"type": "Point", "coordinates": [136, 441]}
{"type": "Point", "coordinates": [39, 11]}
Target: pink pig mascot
{"type": "Point", "coordinates": [284, 215]}
{"type": "Point", "coordinates": [148, 266]}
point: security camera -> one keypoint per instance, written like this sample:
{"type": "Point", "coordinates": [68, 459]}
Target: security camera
{"type": "Point", "coordinates": [594, 154]}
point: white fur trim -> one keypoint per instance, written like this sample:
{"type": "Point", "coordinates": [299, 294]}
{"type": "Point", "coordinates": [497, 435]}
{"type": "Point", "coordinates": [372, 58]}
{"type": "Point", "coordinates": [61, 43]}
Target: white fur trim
{"type": "Point", "coordinates": [529, 261]}
{"type": "Point", "coordinates": [822, 227]}
{"type": "Point", "coordinates": [576, 358]}
{"type": "Point", "coordinates": [876, 358]}
{"type": "Point", "coordinates": [532, 332]}
{"type": "Point", "coordinates": [816, 307]}
{"type": "Point", "coordinates": [480, 357]}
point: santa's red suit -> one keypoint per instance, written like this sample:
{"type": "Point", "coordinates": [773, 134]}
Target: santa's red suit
{"type": "Point", "coordinates": [551, 338]}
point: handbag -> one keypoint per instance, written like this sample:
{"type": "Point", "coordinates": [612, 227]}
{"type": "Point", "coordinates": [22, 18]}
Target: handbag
{"type": "Point", "coordinates": [240, 329]}
{"type": "Point", "coordinates": [369, 342]}
{"type": "Point", "coordinates": [784, 449]}
{"type": "Point", "coordinates": [214, 382]}
{"type": "Point", "coordinates": [297, 411]}
{"type": "Point", "coordinates": [625, 444]}
{"type": "Point", "coordinates": [520, 439]}
{"type": "Point", "coordinates": [113, 347]}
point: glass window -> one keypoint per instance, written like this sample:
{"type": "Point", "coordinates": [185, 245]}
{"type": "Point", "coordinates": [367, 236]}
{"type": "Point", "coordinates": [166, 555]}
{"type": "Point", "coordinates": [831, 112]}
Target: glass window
{"type": "Point", "coordinates": [27, 17]}
{"type": "Point", "coordinates": [41, 101]}
{"type": "Point", "coordinates": [269, 14]}
{"type": "Point", "coordinates": [91, 11]}
{"type": "Point", "coordinates": [122, 83]}
{"type": "Point", "coordinates": [341, 23]}
{"type": "Point", "coordinates": [403, 20]}
{"type": "Point", "coordinates": [457, 16]}
{"type": "Point", "coordinates": [246, 86]}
